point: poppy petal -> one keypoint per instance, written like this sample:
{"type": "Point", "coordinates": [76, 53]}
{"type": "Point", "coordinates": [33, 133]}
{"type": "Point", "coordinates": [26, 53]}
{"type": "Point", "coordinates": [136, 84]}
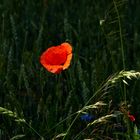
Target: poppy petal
{"type": "Point", "coordinates": [67, 63]}
{"type": "Point", "coordinates": [68, 47]}
{"type": "Point", "coordinates": [57, 58]}
{"type": "Point", "coordinates": [132, 118]}
{"type": "Point", "coordinates": [53, 69]}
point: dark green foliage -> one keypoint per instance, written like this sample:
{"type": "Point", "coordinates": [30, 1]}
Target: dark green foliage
{"type": "Point", "coordinates": [105, 38]}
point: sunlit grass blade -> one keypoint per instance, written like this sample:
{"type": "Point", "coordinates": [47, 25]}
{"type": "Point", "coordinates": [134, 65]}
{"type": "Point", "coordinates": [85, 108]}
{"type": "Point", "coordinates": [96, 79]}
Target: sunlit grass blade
{"type": "Point", "coordinates": [11, 114]}
{"type": "Point", "coordinates": [18, 137]}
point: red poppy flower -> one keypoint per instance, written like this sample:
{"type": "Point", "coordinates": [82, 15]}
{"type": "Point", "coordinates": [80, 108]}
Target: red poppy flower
{"type": "Point", "coordinates": [57, 58]}
{"type": "Point", "coordinates": [131, 117]}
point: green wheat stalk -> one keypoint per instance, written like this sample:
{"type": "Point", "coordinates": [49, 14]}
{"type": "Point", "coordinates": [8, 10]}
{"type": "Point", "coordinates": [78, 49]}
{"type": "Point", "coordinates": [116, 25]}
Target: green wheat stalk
{"type": "Point", "coordinates": [111, 81]}
{"type": "Point", "coordinates": [120, 33]}
{"type": "Point", "coordinates": [11, 114]}
{"type": "Point", "coordinates": [14, 115]}
{"type": "Point", "coordinates": [122, 75]}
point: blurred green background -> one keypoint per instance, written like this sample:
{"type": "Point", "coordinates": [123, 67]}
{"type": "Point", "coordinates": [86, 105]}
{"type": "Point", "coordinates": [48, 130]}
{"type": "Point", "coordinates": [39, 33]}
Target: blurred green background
{"type": "Point", "coordinates": [105, 36]}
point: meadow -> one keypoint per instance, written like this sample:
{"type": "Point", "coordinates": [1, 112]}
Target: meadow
{"type": "Point", "coordinates": [96, 97]}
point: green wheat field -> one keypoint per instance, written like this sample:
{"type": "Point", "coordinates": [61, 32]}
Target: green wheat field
{"type": "Point", "coordinates": [97, 97]}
